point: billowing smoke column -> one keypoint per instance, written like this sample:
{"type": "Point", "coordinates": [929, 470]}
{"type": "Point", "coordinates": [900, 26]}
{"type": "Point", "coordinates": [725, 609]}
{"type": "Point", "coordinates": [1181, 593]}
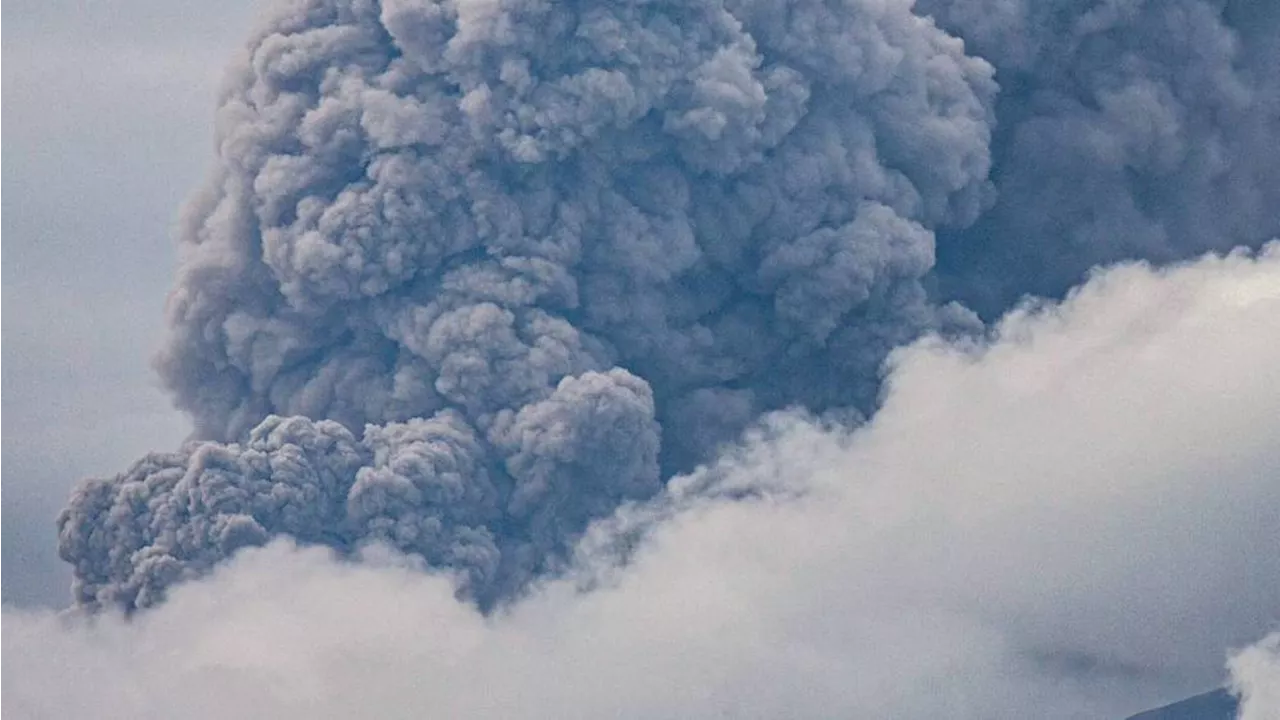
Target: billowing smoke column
{"type": "Point", "coordinates": [481, 252]}
{"type": "Point", "coordinates": [470, 274]}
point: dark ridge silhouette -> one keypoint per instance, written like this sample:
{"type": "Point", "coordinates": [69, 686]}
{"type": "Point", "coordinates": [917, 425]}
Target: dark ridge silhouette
{"type": "Point", "coordinates": [1213, 705]}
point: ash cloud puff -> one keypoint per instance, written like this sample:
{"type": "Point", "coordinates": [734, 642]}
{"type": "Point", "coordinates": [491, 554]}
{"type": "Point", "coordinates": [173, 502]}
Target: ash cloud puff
{"type": "Point", "coordinates": [460, 264]}
{"type": "Point", "coordinates": [422, 486]}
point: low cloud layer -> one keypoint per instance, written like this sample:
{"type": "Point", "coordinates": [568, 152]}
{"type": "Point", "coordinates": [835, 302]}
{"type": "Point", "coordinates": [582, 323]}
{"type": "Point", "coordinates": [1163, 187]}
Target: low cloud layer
{"type": "Point", "coordinates": [1076, 519]}
{"type": "Point", "coordinates": [1255, 676]}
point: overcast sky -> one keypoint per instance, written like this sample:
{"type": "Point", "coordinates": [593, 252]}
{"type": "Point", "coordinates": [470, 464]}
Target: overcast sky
{"type": "Point", "coordinates": [110, 108]}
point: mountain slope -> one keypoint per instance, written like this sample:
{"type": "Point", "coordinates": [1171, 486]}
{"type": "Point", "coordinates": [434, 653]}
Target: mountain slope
{"type": "Point", "coordinates": [1214, 705]}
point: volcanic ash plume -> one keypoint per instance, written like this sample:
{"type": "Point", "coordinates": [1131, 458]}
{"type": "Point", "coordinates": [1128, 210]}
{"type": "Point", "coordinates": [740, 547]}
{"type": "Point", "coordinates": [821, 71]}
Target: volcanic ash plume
{"type": "Point", "coordinates": [470, 274]}
{"type": "Point", "coordinates": [461, 264]}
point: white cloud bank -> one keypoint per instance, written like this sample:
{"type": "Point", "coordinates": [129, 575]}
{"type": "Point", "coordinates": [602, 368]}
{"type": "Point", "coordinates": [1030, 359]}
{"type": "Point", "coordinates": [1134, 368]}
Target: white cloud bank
{"type": "Point", "coordinates": [1255, 676]}
{"type": "Point", "coordinates": [1078, 520]}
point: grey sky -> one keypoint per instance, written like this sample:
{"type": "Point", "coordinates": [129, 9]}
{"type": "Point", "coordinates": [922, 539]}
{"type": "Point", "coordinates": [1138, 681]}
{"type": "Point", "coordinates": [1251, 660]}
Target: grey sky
{"type": "Point", "coordinates": [109, 108]}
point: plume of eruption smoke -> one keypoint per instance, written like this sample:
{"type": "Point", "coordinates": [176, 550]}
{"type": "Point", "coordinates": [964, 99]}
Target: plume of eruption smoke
{"type": "Point", "coordinates": [461, 262]}
{"type": "Point", "coordinates": [470, 274]}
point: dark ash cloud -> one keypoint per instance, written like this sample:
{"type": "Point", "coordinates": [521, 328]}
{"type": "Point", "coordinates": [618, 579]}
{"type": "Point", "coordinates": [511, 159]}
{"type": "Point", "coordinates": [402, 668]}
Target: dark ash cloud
{"type": "Point", "coordinates": [470, 275]}
{"type": "Point", "coordinates": [506, 265]}
{"type": "Point", "coordinates": [1138, 129]}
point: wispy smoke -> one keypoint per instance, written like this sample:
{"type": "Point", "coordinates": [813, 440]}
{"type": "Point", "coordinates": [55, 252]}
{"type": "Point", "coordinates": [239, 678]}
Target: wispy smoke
{"type": "Point", "coordinates": [471, 274]}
